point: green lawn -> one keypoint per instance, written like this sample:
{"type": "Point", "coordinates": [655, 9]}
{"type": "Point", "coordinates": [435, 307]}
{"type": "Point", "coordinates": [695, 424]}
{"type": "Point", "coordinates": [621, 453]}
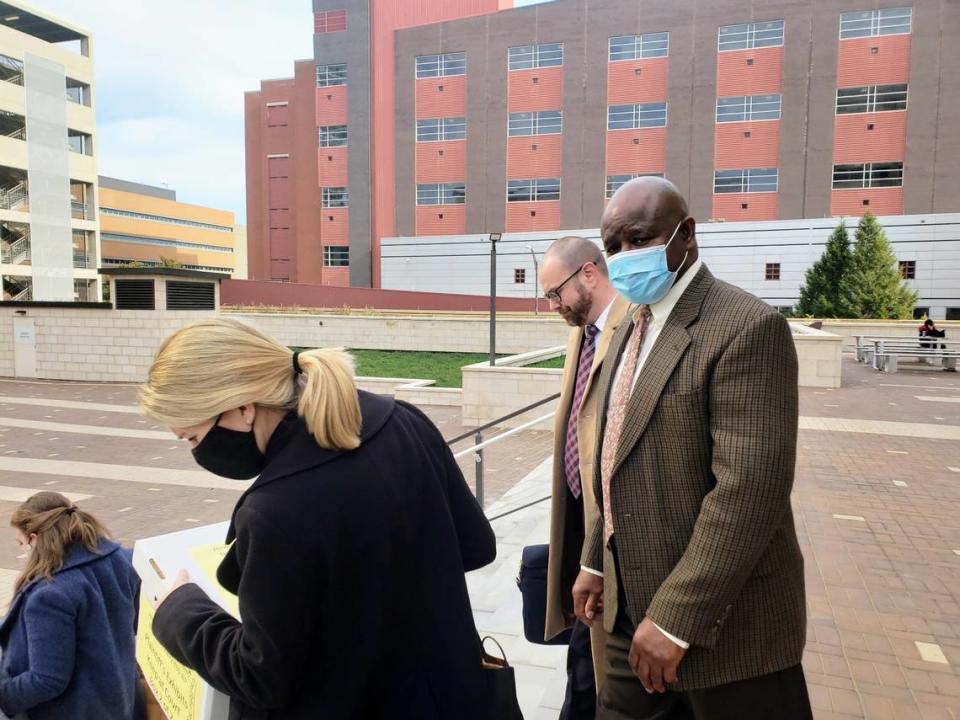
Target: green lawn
{"type": "Point", "coordinates": [443, 367]}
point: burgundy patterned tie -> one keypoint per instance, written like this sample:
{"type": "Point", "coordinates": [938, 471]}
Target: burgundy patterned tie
{"type": "Point", "coordinates": [571, 451]}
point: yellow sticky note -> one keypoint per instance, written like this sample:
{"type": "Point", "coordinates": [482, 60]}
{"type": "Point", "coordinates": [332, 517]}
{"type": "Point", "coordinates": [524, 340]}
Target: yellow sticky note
{"type": "Point", "coordinates": [178, 689]}
{"type": "Point", "coordinates": [208, 558]}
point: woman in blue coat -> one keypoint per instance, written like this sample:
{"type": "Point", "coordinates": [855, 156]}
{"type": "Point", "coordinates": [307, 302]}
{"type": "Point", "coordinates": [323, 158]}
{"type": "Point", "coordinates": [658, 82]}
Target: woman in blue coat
{"type": "Point", "coordinates": [68, 640]}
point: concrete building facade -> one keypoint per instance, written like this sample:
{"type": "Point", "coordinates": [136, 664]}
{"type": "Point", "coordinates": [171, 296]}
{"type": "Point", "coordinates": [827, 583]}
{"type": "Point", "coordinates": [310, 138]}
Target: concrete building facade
{"type": "Point", "coordinates": [146, 224]}
{"type": "Point", "coordinates": [49, 241]}
{"type": "Point", "coordinates": [527, 119]}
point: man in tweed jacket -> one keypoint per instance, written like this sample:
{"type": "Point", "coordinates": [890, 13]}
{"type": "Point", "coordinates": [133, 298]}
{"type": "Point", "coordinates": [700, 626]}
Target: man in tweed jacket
{"type": "Point", "coordinates": [694, 562]}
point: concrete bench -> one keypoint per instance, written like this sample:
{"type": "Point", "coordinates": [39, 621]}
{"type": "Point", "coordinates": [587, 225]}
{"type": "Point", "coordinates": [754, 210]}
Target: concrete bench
{"type": "Point", "coordinates": [887, 354]}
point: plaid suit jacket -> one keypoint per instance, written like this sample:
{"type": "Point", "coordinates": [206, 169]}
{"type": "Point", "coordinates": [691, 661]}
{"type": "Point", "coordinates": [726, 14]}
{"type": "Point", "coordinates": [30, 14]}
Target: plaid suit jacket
{"type": "Point", "coordinates": [700, 491]}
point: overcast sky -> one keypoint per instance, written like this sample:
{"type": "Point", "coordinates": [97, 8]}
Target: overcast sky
{"type": "Point", "coordinates": [169, 84]}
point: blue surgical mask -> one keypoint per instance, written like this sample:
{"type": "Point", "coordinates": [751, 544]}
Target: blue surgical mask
{"type": "Point", "coordinates": [643, 276]}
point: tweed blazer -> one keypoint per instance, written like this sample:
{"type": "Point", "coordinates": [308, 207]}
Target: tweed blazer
{"type": "Point", "coordinates": [700, 492]}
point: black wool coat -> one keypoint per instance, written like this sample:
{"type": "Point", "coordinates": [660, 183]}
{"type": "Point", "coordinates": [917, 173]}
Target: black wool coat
{"type": "Point", "coordinates": [349, 567]}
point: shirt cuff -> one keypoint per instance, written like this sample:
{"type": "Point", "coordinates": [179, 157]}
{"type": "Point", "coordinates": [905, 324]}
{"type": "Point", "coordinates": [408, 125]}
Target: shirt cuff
{"type": "Point", "coordinates": [591, 571]}
{"type": "Point", "coordinates": [685, 645]}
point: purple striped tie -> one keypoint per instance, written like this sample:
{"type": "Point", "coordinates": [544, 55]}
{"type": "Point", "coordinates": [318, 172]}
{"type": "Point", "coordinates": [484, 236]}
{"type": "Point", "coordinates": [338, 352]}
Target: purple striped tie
{"type": "Point", "coordinates": [571, 451]}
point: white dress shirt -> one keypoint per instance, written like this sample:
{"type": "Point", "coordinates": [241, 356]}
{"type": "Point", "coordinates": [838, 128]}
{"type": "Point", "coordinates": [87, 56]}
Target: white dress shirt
{"type": "Point", "coordinates": [659, 314]}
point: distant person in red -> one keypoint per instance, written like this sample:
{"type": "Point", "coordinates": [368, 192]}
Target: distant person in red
{"type": "Point", "coordinates": [929, 330]}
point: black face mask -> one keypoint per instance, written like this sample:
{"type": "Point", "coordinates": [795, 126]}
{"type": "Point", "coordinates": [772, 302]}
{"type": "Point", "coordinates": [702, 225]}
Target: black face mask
{"type": "Point", "coordinates": [229, 453]}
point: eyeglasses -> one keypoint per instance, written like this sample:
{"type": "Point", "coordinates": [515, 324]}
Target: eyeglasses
{"type": "Point", "coordinates": [554, 295]}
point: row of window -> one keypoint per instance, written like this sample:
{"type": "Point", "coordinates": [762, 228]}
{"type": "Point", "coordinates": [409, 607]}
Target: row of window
{"type": "Point", "coordinates": [908, 270]}
{"type": "Point", "coordinates": [870, 99]}
{"type": "Point", "coordinates": [164, 219]}
{"type": "Point", "coordinates": [744, 36]}
{"type": "Point", "coordinates": [143, 240]}
{"type": "Point", "coordinates": [747, 180]}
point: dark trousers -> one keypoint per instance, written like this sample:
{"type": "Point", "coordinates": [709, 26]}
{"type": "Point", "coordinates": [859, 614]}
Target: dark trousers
{"type": "Point", "coordinates": [580, 701]}
{"type": "Point", "coordinates": [778, 696]}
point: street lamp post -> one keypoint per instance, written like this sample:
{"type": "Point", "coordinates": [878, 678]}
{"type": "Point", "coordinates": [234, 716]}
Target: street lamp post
{"type": "Point", "coordinates": [536, 276]}
{"type": "Point", "coordinates": [494, 239]}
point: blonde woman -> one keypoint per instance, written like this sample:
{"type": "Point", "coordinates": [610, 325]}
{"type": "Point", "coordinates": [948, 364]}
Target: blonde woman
{"type": "Point", "coordinates": [349, 550]}
{"type": "Point", "coordinates": [68, 639]}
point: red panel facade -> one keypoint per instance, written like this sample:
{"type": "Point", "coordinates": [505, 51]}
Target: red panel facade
{"type": "Point", "coordinates": [747, 145]}
{"type": "Point", "coordinates": [441, 97]}
{"type": "Point", "coordinates": [883, 60]}
{"type": "Point", "coordinates": [332, 105]}
{"type": "Point", "coordinates": [538, 89]}
{"type": "Point", "coordinates": [637, 81]}
{"type": "Point", "coordinates": [636, 151]}
{"type": "Point", "coordinates": [441, 161]}
{"type": "Point", "coordinates": [441, 219]}
{"type": "Point", "coordinates": [870, 137]}
{"type": "Point", "coordinates": [332, 166]}
{"type": "Point", "coordinates": [530, 216]}
{"type": "Point", "coordinates": [759, 206]}
{"type": "Point", "coordinates": [750, 72]}
{"type": "Point", "coordinates": [534, 156]}
{"type": "Point", "coordinates": [882, 201]}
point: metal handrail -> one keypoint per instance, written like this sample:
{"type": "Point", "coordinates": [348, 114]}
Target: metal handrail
{"type": "Point", "coordinates": [479, 443]}
{"type": "Point", "coordinates": [500, 420]}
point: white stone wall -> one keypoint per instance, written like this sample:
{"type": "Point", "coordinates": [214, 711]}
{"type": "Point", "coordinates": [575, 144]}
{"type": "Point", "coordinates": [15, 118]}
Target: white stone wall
{"type": "Point", "coordinates": [458, 333]}
{"type": "Point", "coordinates": [819, 357]}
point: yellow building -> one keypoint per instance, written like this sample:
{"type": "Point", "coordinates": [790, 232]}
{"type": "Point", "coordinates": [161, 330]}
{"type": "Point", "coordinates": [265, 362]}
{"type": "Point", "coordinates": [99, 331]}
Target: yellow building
{"type": "Point", "coordinates": [146, 224]}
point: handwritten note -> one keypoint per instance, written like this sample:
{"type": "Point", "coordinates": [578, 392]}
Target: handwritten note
{"type": "Point", "coordinates": [208, 558]}
{"type": "Point", "coordinates": [178, 689]}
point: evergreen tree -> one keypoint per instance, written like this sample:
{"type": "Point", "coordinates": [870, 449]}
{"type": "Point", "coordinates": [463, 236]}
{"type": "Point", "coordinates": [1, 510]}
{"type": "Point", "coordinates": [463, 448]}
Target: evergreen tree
{"type": "Point", "coordinates": [826, 292]}
{"type": "Point", "coordinates": [877, 286]}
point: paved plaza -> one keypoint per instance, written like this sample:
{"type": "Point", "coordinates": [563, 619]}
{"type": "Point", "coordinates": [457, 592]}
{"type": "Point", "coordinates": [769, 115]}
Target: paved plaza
{"type": "Point", "coordinates": [877, 501]}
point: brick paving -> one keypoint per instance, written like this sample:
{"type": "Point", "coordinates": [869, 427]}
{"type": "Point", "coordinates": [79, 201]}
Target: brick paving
{"type": "Point", "coordinates": [878, 513]}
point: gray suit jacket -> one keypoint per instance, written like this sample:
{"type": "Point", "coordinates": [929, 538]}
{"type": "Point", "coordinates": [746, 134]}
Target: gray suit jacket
{"type": "Point", "coordinates": [700, 492]}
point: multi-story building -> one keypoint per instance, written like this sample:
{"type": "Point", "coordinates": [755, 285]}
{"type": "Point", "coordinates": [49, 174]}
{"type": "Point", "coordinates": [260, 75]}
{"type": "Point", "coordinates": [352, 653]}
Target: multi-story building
{"type": "Point", "coordinates": [48, 171]}
{"type": "Point", "coordinates": [528, 119]}
{"type": "Point", "coordinates": [147, 225]}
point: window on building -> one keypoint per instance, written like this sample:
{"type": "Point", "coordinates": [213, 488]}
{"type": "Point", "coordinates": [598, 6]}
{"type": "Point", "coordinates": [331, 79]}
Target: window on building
{"type": "Point", "coordinates": [920, 313]}
{"type": "Point", "coordinates": [335, 197]}
{"type": "Point", "coordinates": [333, 136]}
{"type": "Point", "coordinates": [953, 313]}
{"type": "Point", "coordinates": [748, 108]}
{"type": "Point", "coordinates": [336, 255]}
{"type": "Point", "coordinates": [79, 142]}
{"type": "Point", "coordinates": [11, 70]}
{"type": "Point", "coordinates": [454, 128]}
{"type": "Point", "coordinates": [441, 193]}
{"type": "Point", "coordinates": [870, 23]}
{"type": "Point", "coordinates": [543, 122]}
{"type": "Point", "coordinates": [772, 271]}
{"type": "Point", "coordinates": [868, 175]}
{"type": "Point", "coordinates": [533, 190]}
{"type": "Point", "coordinates": [871, 98]}
{"type": "Point", "coordinates": [908, 269]}
{"type": "Point", "coordinates": [750, 35]}
{"type": "Point", "coordinates": [745, 181]}
{"type": "Point", "coordinates": [329, 21]}
{"type": "Point", "coordinates": [428, 66]}
{"type": "Point", "coordinates": [639, 47]}
{"type": "Point", "coordinates": [78, 92]}
{"type": "Point", "coordinates": [519, 276]}
{"type": "Point", "coordinates": [640, 115]}
{"type": "Point", "coordinates": [528, 57]}
{"type": "Point", "coordinates": [330, 75]}
{"type": "Point", "coordinates": [615, 181]}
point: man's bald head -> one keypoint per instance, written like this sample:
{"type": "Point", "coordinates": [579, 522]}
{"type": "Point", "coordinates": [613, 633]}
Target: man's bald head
{"type": "Point", "coordinates": [646, 212]}
{"type": "Point", "coordinates": [573, 251]}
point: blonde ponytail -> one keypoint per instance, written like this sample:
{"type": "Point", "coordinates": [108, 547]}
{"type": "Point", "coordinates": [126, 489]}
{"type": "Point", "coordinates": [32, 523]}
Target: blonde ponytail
{"type": "Point", "coordinates": [329, 403]}
{"type": "Point", "coordinates": [216, 365]}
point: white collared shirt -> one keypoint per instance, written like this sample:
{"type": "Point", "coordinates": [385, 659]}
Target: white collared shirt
{"type": "Point", "coordinates": [602, 319]}
{"type": "Point", "coordinates": [659, 314]}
